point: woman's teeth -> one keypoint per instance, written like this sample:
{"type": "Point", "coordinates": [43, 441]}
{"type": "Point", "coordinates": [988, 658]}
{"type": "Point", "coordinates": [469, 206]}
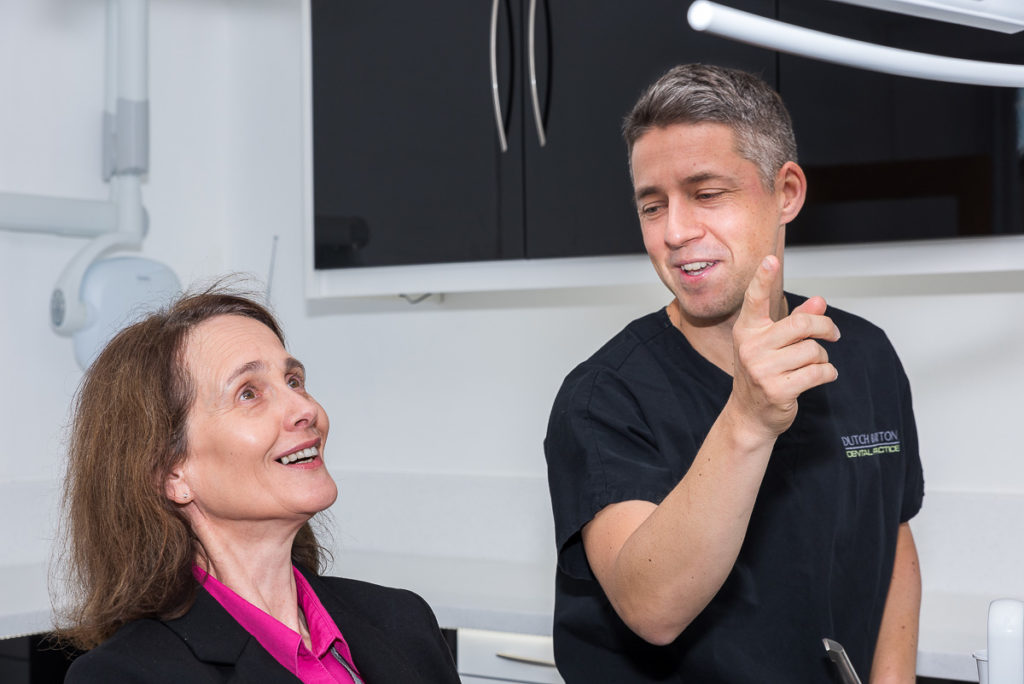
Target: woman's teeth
{"type": "Point", "coordinates": [305, 456]}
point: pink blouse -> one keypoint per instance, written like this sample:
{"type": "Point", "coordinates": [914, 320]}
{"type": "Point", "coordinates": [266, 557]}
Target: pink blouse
{"type": "Point", "coordinates": [319, 664]}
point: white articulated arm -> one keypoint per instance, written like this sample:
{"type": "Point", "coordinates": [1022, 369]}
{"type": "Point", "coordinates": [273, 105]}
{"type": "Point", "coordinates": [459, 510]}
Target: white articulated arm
{"type": "Point", "coordinates": [776, 35]}
{"type": "Point", "coordinates": [120, 222]}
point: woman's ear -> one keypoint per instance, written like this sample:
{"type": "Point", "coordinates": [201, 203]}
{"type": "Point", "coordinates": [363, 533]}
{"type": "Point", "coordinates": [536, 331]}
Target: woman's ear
{"type": "Point", "coordinates": [791, 184]}
{"type": "Point", "coordinates": [176, 488]}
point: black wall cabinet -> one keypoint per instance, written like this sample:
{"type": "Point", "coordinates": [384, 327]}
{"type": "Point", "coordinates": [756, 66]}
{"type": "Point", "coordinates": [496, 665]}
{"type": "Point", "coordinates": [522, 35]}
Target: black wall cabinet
{"type": "Point", "coordinates": [407, 161]}
{"type": "Point", "coordinates": [409, 167]}
{"type": "Point", "coordinates": [896, 158]}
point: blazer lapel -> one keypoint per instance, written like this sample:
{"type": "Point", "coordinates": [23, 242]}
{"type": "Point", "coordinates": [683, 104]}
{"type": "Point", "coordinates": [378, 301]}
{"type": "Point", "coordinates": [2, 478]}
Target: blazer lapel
{"type": "Point", "coordinates": [375, 657]}
{"type": "Point", "coordinates": [217, 639]}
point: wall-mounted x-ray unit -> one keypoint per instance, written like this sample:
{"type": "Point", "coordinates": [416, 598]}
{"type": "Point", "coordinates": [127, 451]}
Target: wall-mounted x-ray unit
{"type": "Point", "coordinates": [118, 223]}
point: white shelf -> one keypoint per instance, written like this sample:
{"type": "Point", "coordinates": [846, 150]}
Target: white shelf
{"type": "Point", "coordinates": [996, 256]}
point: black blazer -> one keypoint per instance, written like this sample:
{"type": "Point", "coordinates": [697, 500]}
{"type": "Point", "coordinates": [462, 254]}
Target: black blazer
{"type": "Point", "coordinates": [393, 635]}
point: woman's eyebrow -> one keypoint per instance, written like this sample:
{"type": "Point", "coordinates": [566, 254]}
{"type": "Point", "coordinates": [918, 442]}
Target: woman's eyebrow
{"type": "Point", "coordinates": [250, 367]}
{"type": "Point", "coordinates": [291, 364]}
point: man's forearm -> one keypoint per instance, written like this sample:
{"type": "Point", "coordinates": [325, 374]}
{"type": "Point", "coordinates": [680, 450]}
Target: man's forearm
{"type": "Point", "coordinates": [668, 566]}
{"type": "Point", "coordinates": [896, 651]}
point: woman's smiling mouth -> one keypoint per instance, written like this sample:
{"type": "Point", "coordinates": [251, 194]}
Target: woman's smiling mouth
{"type": "Point", "coordinates": [302, 456]}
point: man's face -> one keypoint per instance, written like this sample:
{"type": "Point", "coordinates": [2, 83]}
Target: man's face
{"type": "Point", "coordinates": [707, 219]}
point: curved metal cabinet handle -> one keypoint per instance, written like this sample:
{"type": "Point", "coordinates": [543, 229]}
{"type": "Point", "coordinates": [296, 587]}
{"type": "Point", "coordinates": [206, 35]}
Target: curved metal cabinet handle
{"type": "Point", "coordinates": [498, 119]}
{"type": "Point", "coordinates": [543, 662]}
{"type": "Point", "coordinates": [533, 74]}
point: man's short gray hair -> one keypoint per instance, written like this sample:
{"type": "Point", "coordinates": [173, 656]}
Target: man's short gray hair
{"type": "Point", "coordinates": [700, 93]}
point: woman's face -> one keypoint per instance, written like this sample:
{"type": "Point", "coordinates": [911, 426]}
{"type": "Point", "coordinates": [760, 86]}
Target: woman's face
{"type": "Point", "coordinates": [255, 436]}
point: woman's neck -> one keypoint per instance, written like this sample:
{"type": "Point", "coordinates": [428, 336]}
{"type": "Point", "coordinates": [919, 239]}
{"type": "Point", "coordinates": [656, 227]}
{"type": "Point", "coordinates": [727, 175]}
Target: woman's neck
{"type": "Point", "coordinates": [258, 570]}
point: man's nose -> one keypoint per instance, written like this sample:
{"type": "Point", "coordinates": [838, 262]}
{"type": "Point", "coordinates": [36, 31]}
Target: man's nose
{"type": "Point", "coordinates": [682, 225]}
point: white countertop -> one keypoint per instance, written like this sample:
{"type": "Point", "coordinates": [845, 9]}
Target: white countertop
{"type": "Point", "coordinates": [465, 592]}
{"type": "Point", "coordinates": [518, 597]}
{"type": "Point", "coordinates": [24, 600]}
{"type": "Point", "coordinates": [508, 597]}
{"type": "Point", "coordinates": [953, 626]}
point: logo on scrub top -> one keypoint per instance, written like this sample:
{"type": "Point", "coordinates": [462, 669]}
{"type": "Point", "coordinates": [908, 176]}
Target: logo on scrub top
{"type": "Point", "coordinates": [872, 443]}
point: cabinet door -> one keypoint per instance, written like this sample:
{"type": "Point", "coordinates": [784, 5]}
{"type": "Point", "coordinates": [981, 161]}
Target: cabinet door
{"type": "Point", "coordinates": [896, 158]}
{"type": "Point", "coordinates": [594, 58]}
{"type": "Point", "coordinates": [485, 655]}
{"type": "Point", "coordinates": [407, 166]}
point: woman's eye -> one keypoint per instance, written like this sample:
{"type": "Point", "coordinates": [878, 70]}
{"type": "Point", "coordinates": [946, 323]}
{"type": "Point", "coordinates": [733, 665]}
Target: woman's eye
{"type": "Point", "coordinates": [247, 394]}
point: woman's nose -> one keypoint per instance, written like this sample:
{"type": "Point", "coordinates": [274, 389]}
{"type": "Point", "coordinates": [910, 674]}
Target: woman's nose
{"type": "Point", "coordinates": [302, 410]}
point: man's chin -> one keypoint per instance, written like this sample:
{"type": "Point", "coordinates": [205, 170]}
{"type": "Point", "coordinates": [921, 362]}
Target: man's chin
{"type": "Point", "coordinates": [704, 314]}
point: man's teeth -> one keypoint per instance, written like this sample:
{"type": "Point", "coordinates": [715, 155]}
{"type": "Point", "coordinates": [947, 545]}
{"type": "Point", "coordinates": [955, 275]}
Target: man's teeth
{"type": "Point", "coordinates": [696, 266]}
{"type": "Point", "coordinates": [304, 455]}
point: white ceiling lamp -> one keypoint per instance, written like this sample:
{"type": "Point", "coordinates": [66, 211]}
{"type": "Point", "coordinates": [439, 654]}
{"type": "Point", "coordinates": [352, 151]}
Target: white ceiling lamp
{"type": "Point", "coordinates": [1006, 16]}
{"type": "Point", "coordinates": [751, 28]}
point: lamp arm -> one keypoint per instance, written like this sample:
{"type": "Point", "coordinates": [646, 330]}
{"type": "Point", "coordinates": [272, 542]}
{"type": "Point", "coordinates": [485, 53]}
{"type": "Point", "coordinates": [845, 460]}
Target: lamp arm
{"type": "Point", "coordinates": [750, 28]}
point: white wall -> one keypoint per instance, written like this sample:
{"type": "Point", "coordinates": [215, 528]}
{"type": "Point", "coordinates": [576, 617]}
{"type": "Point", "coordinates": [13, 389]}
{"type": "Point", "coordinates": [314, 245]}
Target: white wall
{"type": "Point", "coordinates": [426, 398]}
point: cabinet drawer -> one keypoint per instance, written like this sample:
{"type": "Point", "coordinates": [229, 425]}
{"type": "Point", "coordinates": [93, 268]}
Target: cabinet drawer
{"type": "Point", "coordinates": [485, 655]}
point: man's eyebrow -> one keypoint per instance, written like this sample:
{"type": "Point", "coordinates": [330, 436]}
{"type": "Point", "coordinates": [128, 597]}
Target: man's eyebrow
{"type": "Point", "coordinates": [645, 191]}
{"type": "Point", "coordinates": [703, 177]}
{"type": "Point", "coordinates": [293, 364]}
{"type": "Point", "coordinates": [693, 179]}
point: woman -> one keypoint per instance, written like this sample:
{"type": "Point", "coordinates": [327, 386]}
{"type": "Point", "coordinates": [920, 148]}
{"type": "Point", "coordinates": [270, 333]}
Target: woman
{"type": "Point", "coordinates": [196, 463]}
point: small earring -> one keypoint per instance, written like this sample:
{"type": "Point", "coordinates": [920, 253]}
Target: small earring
{"type": "Point", "coordinates": [184, 496]}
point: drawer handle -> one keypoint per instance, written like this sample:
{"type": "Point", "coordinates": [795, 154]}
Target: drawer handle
{"type": "Point", "coordinates": [543, 662]}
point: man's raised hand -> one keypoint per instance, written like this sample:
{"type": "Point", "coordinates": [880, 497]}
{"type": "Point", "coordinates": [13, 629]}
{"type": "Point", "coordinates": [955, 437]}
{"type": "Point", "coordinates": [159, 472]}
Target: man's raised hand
{"type": "Point", "coordinates": [776, 361]}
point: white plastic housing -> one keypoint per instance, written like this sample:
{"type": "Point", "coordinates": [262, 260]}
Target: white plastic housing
{"type": "Point", "coordinates": [117, 292]}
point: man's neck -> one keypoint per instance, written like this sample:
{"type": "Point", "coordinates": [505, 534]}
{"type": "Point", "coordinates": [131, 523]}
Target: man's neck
{"type": "Point", "coordinates": [714, 340]}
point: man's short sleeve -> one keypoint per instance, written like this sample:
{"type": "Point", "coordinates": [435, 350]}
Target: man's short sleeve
{"type": "Point", "coordinates": [913, 487]}
{"type": "Point", "coordinates": [600, 450]}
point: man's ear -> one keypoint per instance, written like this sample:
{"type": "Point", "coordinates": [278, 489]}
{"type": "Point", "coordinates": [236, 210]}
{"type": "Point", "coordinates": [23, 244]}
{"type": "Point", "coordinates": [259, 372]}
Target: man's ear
{"type": "Point", "coordinates": [791, 185]}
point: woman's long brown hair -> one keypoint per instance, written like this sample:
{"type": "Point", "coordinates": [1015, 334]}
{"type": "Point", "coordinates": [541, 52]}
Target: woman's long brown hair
{"type": "Point", "coordinates": [129, 552]}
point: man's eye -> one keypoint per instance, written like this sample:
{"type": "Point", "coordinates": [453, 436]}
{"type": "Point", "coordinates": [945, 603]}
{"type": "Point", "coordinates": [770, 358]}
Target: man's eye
{"type": "Point", "coordinates": [247, 394]}
{"type": "Point", "coordinates": [709, 195]}
{"type": "Point", "coordinates": [650, 209]}
{"type": "Point", "coordinates": [295, 382]}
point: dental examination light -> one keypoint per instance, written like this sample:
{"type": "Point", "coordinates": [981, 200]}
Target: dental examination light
{"type": "Point", "coordinates": [1006, 16]}
{"type": "Point", "coordinates": [750, 28]}
{"type": "Point", "coordinates": [119, 223]}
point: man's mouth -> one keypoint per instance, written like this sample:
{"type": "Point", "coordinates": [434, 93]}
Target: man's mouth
{"type": "Point", "coordinates": [696, 267]}
{"type": "Point", "coordinates": [302, 456]}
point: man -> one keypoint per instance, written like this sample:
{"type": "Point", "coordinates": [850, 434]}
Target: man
{"type": "Point", "coordinates": [731, 479]}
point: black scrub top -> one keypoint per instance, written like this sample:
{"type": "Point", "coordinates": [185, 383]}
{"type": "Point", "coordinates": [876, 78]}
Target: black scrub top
{"type": "Point", "coordinates": [818, 556]}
